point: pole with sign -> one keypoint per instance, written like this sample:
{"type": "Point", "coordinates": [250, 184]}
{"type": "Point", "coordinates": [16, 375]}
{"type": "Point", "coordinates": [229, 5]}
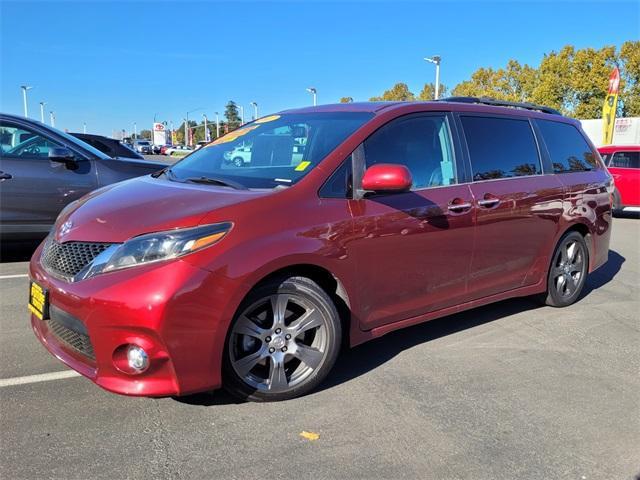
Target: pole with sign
{"type": "Point", "coordinates": [609, 108]}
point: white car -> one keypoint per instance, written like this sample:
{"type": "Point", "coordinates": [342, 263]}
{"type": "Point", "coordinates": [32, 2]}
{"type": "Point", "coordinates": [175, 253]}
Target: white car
{"type": "Point", "coordinates": [178, 150]}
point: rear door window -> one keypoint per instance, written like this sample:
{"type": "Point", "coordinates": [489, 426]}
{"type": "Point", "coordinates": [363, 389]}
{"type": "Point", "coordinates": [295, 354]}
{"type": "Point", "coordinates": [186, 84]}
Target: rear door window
{"type": "Point", "coordinates": [568, 149]}
{"type": "Point", "coordinates": [500, 147]}
{"type": "Point", "coordinates": [625, 160]}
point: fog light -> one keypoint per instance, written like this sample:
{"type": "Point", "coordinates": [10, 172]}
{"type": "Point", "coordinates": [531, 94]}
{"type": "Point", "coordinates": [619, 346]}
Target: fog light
{"type": "Point", "coordinates": [137, 358]}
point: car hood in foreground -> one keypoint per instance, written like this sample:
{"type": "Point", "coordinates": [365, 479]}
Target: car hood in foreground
{"type": "Point", "coordinates": [142, 205]}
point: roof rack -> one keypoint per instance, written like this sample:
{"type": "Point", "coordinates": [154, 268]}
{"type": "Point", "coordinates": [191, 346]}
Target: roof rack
{"type": "Point", "coordinates": [502, 103]}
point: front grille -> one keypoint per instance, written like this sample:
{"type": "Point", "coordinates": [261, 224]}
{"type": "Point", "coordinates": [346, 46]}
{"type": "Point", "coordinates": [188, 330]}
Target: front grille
{"type": "Point", "coordinates": [69, 258]}
{"type": "Point", "coordinates": [76, 340]}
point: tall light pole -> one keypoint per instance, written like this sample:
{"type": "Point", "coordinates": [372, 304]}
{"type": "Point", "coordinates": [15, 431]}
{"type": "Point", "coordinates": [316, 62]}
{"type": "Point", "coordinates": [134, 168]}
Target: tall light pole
{"type": "Point", "coordinates": [84, 127]}
{"type": "Point", "coordinates": [217, 125]}
{"type": "Point", "coordinates": [186, 123]}
{"type": "Point", "coordinates": [206, 132]}
{"type": "Point", "coordinates": [255, 110]}
{"type": "Point", "coordinates": [135, 130]}
{"type": "Point", "coordinates": [241, 114]}
{"type": "Point", "coordinates": [313, 92]}
{"type": "Point", "coordinates": [52, 118]}
{"type": "Point", "coordinates": [24, 98]}
{"type": "Point", "coordinates": [436, 59]}
{"type": "Point", "coordinates": [42, 104]}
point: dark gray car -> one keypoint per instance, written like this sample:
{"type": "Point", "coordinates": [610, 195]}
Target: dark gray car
{"type": "Point", "coordinates": [43, 169]}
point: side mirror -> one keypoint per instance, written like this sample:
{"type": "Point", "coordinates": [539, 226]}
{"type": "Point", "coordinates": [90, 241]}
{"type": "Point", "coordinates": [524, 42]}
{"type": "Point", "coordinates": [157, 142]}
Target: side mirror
{"type": "Point", "coordinates": [62, 155]}
{"type": "Point", "coordinates": [387, 177]}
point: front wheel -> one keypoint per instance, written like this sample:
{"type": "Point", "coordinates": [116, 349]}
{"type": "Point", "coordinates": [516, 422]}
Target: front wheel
{"type": "Point", "coordinates": [238, 162]}
{"type": "Point", "coordinates": [568, 270]}
{"type": "Point", "coordinates": [283, 341]}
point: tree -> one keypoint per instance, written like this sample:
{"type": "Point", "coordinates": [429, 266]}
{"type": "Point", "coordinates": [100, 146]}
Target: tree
{"type": "Point", "coordinates": [146, 134]}
{"type": "Point", "coordinates": [428, 92]}
{"type": "Point", "coordinates": [629, 60]}
{"type": "Point", "coordinates": [346, 100]}
{"type": "Point", "coordinates": [399, 92]}
{"type": "Point", "coordinates": [513, 83]}
{"type": "Point", "coordinates": [232, 115]}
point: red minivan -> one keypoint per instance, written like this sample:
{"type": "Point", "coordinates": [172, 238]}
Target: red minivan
{"type": "Point", "coordinates": [624, 165]}
{"type": "Point", "coordinates": [343, 223]}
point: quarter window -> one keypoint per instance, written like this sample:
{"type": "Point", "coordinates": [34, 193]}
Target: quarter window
{"type": "Point", "coordinates": [567, 148]}
{"type": "Point", "coordinates": [625, 160]}
{"type": "Point", "coordinates": [500, 147]}
{"type": "Point", "coordinates": [422, 144]}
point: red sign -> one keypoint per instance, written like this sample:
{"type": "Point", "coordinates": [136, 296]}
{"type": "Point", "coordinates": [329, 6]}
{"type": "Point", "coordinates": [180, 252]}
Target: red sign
{"type": "Point", "coordinates": [614, 81]}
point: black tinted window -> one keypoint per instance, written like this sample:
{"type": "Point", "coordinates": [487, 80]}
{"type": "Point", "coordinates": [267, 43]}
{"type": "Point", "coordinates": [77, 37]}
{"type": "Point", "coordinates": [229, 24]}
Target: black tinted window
{"type": "Point", "coordinates": [568, 149]}
{"type": "Point", "coordinates": [501, 147]}
{"type": "Point", "coordinates": [625, 160]}
{"type": "Point", "coordinates": [421, 144]}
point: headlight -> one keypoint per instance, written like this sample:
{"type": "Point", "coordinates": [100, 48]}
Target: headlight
{"type": "Point", "coordinates": [154, 247]}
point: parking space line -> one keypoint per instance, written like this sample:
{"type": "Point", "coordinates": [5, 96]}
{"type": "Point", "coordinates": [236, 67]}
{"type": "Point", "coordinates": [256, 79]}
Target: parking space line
{"type": "Point", "coordinates": [44, 377]}
{"type": "Point", "coordinates": [21, 275]}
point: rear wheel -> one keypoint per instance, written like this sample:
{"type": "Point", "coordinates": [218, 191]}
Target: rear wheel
{"type": "Point", "coordinates": [617, 206]}
{"type": "Point", "coordinates": [568, 270]}
{"type": "Point", "coordinates": [283, 341]}
{"type": "Point", "coordinates": [238, 162]}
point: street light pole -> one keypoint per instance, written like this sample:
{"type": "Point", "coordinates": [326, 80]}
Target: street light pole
{"type": "Point", "coordinates": [436, 59]}
{"type": "Point", "coordinates": [241, 114]}
{"type": "Point", "coordinates": [42, 104]}
{"type": "Point", "coordinates": [313, 92]}
{"type": "Point", "coordinates": [217, 125]}
{"type": "Point", "coordinates": [135, 130]}
{"type": "Point", "coordinates": [24, 98]}
{"type": "Point", "coordinates": [52, 118]}
{"type": "Point", "coordinates": [255, 110]}
{"type": "Point", "coordinates": [206, 132]}
{"type": "Point", "coordinates": [84, 127]}
{"type": "Point", "coordinates": [186, 122]}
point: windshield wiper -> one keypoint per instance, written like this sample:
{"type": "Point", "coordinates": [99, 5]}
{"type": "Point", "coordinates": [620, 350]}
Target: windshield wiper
{"type": "Point", "coordinates": [215, 181]}
{"type": "Point", "coordinates": [165, 171]}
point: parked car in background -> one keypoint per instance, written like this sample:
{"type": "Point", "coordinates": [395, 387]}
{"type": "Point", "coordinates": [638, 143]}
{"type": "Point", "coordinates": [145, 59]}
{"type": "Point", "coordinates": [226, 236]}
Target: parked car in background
{"type": "Point", "coordinates": [239, 156]}
{"type": "Point", "coordinates": [142, 146]}
{"type": "Point", "coordinates": [163, 149]}
{"type": "Point", "coordinates": [623, 162]}
{"type": "Point", "coordinates": [155, 149]}
{"type": "Point", "coordinates": [109, 146]}
{"type": "Point", "coordinates": [43, 169]}
{"type": "Point", "coordinates": [178, 151]}
{"type": "Point", "coordinates": [206, 275]}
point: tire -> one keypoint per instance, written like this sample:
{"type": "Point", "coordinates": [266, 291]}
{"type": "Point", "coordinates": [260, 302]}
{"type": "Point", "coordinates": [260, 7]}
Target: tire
{"type": "Point", "coordinates": [238, 161]}
{"type": "Point", "coordinates": [568, 271]}
{"type": "Point", "coordinates": [273, 357]}
{"type": "Point", "coordinates": [616, 208]}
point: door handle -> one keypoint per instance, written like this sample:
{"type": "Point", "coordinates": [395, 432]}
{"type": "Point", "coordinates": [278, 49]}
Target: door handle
{"type": "Point", "coordinates": [5, 176]}
{"type": "Point", "coordinates": [489, 202]}
{"type": "Point", "coordinates": [459, 207]}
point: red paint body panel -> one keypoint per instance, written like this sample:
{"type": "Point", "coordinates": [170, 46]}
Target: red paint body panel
{"type": "Point", "coordinates": [627, 180]}
{"type": "Point", "coordinates": [400, 259]}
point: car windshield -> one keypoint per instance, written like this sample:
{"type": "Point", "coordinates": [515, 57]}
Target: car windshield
{"type": "Point", "coordinates": [271, 151]}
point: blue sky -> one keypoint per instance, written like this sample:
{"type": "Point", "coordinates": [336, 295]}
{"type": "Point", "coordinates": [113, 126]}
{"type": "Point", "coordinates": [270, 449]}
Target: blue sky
{"type": "Point", "coordinates": [114, 63]}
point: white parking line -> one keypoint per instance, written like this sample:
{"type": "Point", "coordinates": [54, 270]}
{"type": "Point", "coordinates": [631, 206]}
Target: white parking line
{"type": "Point", "coordinates": [44, 377]}
{"type": "Point", "coordinates": [22, 275]}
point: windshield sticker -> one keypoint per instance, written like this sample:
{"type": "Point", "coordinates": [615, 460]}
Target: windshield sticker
{"type": "Point", "coordinates": [286, 180]}
{"type": "Point", "coordinates": [270, 118]}
{"type": "Point", "coordinates": [302, 166]}
{"type": "Point", "coordinates": [231, 136]}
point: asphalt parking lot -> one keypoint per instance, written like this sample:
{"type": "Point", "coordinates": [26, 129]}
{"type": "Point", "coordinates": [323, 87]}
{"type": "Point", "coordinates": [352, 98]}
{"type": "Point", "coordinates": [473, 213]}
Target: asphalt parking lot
{"type": "Point", "coordinates": [507, 391]}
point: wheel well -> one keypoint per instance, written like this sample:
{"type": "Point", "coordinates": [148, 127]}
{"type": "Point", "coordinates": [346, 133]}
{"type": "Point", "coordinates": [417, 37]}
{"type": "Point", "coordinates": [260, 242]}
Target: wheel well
{"type": "Point", "coordinates": [327, 281]}
{"type": "Point", "coordinates": [583, 230]}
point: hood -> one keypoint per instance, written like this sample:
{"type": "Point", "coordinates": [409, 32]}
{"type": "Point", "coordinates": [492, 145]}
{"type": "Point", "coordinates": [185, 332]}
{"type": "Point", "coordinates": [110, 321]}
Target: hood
{"type": "Point", "coordinates": [142, 205]}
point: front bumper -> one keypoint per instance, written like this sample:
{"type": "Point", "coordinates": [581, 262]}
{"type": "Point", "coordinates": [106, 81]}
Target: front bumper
{"type": "Point", "coordinates": [174, 310]}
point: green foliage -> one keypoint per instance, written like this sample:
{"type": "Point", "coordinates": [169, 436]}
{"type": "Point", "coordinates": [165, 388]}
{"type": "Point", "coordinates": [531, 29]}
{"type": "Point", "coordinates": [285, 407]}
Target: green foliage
{"type": "Point", "coordinates": [346, 100]}
{"type": "Point", "coordinates": [428, 92]}
{"type": "Point", "coordinates": [574, 81]}
{"type": "Point", "coordinates": [232, 115]}
{"type": "Point", "coordinates": [145, 134]}
{"type": "Point", "coordinates": [399, 92]}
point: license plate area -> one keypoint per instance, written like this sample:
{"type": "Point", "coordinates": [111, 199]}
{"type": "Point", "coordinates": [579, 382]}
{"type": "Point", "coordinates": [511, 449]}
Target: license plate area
{"type": "Point", "coordinates": [39, 301]}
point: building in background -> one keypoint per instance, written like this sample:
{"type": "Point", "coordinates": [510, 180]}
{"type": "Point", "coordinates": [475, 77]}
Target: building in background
{"type": "Point", "coordinates": [625, 132]}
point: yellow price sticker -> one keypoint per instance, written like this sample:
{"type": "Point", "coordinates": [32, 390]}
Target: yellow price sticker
{"type": "Point", "coordinates": [302, 166]}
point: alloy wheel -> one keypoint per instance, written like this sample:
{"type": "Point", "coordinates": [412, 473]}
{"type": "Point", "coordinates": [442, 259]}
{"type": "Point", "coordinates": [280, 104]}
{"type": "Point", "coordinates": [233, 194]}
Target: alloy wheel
{"type": "Point", "coordinates": [569, 268]}
{"type": "Point", "coordinates": [278, 342]}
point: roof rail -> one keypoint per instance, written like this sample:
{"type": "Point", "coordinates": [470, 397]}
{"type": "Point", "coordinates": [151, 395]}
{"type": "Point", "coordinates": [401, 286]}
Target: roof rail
{"type": "Point", "coordinates": [502, 103]}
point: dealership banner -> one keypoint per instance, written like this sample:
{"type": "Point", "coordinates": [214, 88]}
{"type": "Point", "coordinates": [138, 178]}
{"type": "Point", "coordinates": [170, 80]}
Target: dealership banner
{"type": "Point", "coordinates": [159, 134]}
{"type": "Point", "coordinates": [610, 107]}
